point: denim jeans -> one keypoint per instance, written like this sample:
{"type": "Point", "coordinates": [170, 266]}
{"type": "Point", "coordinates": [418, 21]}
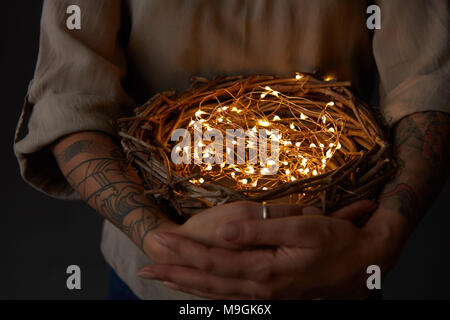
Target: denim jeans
{"type": "Point", "coordinates": [117, 289]}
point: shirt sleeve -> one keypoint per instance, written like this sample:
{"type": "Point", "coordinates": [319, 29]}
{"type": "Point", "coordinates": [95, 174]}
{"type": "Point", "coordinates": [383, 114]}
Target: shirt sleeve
{"type": "Point", "coordinates": [76, 87]}
{"type": "Point", "coordinates": [412, 54]}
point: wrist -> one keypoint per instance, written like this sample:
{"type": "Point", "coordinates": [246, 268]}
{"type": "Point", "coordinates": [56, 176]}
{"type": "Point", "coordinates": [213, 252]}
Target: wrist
{"type": "Point", "coordinates": [389, 232]}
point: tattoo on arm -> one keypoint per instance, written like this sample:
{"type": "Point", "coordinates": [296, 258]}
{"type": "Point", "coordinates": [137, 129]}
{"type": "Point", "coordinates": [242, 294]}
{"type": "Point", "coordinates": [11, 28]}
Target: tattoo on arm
{"type": "Point", "coordinates": [110, 188]}
{"type": "Point", "coordinates": [422, 143]}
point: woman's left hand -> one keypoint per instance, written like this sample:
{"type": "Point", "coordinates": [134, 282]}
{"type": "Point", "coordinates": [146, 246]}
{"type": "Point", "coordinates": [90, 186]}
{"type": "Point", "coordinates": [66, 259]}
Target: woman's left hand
{"type": "Point", "coordinates": [296, 257]}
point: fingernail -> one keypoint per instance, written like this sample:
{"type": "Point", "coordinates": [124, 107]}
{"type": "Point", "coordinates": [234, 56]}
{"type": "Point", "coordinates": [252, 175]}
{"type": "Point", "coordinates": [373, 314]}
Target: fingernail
{"type": "Point", "coordinates": [147, 275]}
{"type": "Point", "coordinates": [228, 232]}
{"type": "Point", "coordinates": [311, 210]}
{"type": "Point", "coordinates": [160, 239]}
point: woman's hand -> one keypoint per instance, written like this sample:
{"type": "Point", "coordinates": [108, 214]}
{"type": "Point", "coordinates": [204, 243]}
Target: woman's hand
{"type": "Point", "coordinates": [307, 256]}
{"type": "Point", "coordinates": [202, 226]}
{"type": "Point", "coordinates": [281, 232]}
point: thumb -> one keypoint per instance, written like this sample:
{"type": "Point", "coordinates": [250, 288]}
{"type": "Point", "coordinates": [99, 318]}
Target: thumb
{"type": "Point", "coordinates": [286, 231]}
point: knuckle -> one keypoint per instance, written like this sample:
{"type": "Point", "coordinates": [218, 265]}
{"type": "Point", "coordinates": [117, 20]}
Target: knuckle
{"type": "Point", "coordinates": [263, 270]}
{"type": "Point", "coordinates": [264, 292]}
{"type": "Point", "coordinates": [206, 264]}
{"type": "Point", "coordinates": [206, 286]}
{"type": "Point", "coordinates": [246, 209]}
{"type": "Point", "coordinates": [326, 233]}
{"type": "Point", "coordinates": [247, 233]}
{"type": "Point", "coordinates": [264, 274]}
{"type": "Point", "coordinates": [298, 225]}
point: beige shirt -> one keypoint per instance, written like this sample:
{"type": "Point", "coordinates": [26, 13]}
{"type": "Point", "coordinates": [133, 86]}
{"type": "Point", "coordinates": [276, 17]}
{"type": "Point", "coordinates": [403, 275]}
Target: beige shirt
{"type": "Point", "coordinates": [128, 50]}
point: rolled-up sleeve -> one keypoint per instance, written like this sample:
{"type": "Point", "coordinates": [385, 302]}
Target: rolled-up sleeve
{"type": "Point", "coordinates": [76, 87]}
{"type": "Point", "coordinates": [412, 54]}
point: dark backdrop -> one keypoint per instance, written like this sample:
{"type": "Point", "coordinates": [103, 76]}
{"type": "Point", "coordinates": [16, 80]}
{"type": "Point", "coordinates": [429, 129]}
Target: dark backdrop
{"type": "Point", "coordinates": [41, 236]}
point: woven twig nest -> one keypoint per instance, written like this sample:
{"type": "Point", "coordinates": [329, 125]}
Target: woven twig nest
{"type": "Point", "coordinates": [331, 149]}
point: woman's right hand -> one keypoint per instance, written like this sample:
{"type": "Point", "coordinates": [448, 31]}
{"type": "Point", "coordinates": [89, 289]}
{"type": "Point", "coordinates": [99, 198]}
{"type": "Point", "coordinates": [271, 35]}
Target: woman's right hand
{"type": "Point", "coordinates": [202, 226]}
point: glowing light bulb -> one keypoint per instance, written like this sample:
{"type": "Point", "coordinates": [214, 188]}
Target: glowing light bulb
{"type": "Point", "coordinates": [199, 113]}
{"type": "Point", "coordinates": [264, 123]}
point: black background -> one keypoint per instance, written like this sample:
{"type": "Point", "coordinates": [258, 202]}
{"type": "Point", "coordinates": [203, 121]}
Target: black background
{"type": "Point", "coordinates": [41, 236]}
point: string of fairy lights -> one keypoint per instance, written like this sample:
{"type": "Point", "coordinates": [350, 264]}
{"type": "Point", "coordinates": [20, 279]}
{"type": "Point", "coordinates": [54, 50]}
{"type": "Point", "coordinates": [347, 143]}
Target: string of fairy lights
{"type": "Point", "coordinates": [307, 139]}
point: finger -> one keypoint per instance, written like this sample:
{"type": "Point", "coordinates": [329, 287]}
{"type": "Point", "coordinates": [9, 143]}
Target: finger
{"type": "Point", "coordinates": [201, 293]}
{"type": "Point", "coordinates": [303, 231]}
{"type": "Point", "coordinates": [288, 210]}
{"type": "Point", "coordinates": [355, 211]}
{"type": "Point", "coordinates": [201, 281]}
{"type": "Point", "coordinates": [222, 262]}
{"type": "Point", "coordinates": [254, 210]}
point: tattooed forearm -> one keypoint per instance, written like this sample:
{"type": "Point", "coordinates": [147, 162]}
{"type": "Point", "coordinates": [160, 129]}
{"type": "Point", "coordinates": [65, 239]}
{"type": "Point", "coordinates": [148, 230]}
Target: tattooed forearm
{"type": "Point", "coordinates": [86, 146]}
{"type": "Point", "coordinates": [94, 168]}
{"type": "Point", "coordinates": [421, 147]}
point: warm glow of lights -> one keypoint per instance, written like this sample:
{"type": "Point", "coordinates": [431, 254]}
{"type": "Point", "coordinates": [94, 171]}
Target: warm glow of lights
{"type": "Point", "coordinates": [264, 123]}
{"type": "Point", "coordinates": [307, 141]}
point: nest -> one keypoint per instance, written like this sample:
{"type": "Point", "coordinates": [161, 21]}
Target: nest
{"type": "Point", "coordinates": [326, 146]}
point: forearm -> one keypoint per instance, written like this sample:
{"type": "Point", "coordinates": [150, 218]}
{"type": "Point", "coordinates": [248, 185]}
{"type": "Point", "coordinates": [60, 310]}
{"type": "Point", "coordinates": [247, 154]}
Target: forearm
{"type": "Point", "coordinates": [421, 148]}
{"type": "Point", "coordinates": [93, 164]}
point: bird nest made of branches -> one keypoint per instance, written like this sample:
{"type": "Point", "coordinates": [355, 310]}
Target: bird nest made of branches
{"type": "Point", "coordinates": [257, 138]}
